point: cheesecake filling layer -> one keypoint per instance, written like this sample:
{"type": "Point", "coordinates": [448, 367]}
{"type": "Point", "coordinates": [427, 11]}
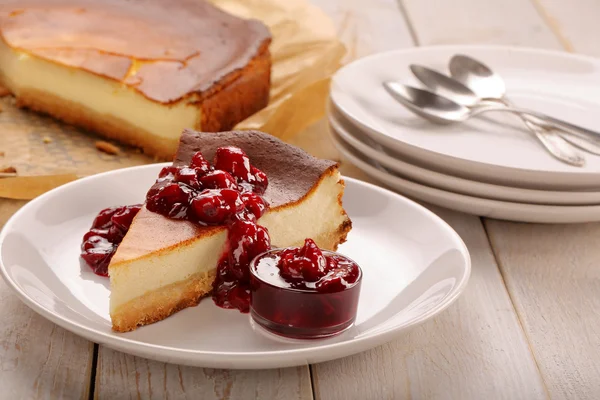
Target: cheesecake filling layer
{"type": "Point", "coordinates": [21, 72]}
{"type": "Point", "coordinates": [318, 215]}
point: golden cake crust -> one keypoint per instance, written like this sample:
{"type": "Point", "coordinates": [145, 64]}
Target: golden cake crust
{"type": "Point", "coordinates": [159, 304]}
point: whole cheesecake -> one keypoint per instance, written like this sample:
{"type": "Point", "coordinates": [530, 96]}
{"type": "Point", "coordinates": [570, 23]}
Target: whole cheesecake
{"type": "Point", "coordinates": [163, 265]}
{"type": "Point", "coordinates": [139, 71]}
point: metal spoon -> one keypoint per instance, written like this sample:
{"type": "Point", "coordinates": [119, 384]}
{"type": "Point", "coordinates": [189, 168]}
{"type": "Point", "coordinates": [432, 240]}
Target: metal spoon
{"type": "Point", "coordinates": [442, 110]}
{"type": "Point", "coordinates": [458, 92]}
{"type": "Point", "coordinates": [490, 86]}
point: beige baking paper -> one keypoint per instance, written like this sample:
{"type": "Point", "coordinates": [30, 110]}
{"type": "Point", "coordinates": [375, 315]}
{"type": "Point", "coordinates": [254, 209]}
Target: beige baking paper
{"type": "Point", "coordinates": [305, 53]}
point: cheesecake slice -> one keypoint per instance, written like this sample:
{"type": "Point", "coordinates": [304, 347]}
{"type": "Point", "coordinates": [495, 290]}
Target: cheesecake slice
{"type": "Point", "coordinates": [135, 71]}
{"type": "Point", "coordinates": [164, 265]}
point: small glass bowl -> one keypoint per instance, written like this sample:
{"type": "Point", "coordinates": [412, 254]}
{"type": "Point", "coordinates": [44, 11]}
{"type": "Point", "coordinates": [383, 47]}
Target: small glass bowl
{"type": "Point", "coordinates": [299, 313]}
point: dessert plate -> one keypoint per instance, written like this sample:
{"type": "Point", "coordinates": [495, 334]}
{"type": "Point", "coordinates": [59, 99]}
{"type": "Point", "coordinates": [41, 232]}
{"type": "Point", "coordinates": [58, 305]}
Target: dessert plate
{"type": "Point", "coordinates": [414, 266]}
{"type": "Point", "coordinates": [511, 211]}
{"type": "Point", "coordinates": [495, 149]}
{"type": "Point", "coordinates": [354, 137]}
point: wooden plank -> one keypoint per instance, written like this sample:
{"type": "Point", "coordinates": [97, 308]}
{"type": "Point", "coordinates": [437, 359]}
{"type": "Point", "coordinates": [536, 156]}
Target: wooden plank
{"type": "Point", "coordinates": [475, 349]}
{"type": "Point", "coordinates": [126, 377]}
{"type": "Point", "coordinates": [552, 274]}
{"type": "Point", "coordinates": [574, 22]}
{"type": "Point", "coordinates": [38, 360]}
{"type": "Point", "coordinates": [361, 26]}
{"type": "Point", "coordinates": [510, 22]}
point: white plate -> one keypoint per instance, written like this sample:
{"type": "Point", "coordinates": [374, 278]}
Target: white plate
{"type": "Point", "coordinates": [560, 84]}
{"type": "Point", "coordinates": [469, 204]}
{"type": "Point", "coordinates": [414, 266]}
{"type": "Point", "coordinates": [353, 136]}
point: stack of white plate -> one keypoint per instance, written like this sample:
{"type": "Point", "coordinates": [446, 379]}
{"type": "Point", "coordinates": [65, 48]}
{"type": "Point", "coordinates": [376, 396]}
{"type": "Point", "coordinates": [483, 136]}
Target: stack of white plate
{"type": "Point", "coordinates": [488, 166]}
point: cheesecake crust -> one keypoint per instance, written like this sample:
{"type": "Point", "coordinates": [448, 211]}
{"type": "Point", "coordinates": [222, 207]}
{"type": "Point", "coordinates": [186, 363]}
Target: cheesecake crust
{"type": "Point", "coordinates": [159, 304]}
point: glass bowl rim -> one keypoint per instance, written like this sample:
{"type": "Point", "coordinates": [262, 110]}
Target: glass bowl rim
{"type": "Point", "coordinates": [307, 291]}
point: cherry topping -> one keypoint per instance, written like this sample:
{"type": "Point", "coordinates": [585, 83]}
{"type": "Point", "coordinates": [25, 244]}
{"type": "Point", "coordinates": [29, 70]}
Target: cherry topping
{"type": "Point", "coordinates": [259, 181]}
{"type": "Point", "coordinates": [167, 173]}
{"type": "Point", "coordinates": [171, 200]}
{"type": "Point", "coordinates": [123, 217]}
{"type": "Point", "coordinates": [101, 241]}
{"type": "Point", "coordinates": [247, 240]}
{"type": "Point", "coordinates": [103, 219]}
{"type": "Point", "coordinates": [341, 273]}
{"type": "Point", "coordinates": [188, 176]}
{"type": "Point", "coordinates": [218, 180]}
{"type": "Point", "coordinates": [227, 194]}
{"type": "Point", "coordinates": [214, 206]}
{"type": "Point", "coordinates": [306, 263]}
{"type": "Point", "coordinates": [254, 203]}
{"type": "Point", "coordinates": [200, 164]}
{"type": "Point", "coordinates": [307, 267]}
{"type": "Point", "coordinates": [233, 160]}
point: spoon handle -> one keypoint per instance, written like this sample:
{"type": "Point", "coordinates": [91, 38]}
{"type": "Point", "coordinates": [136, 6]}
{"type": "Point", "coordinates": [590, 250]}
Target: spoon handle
{"type": "Point", "coordinates": [575, 130]}
{"type": "Point", "coordinates": [548, 137]}
{"type": "Point", "coordinates": [591, 145]}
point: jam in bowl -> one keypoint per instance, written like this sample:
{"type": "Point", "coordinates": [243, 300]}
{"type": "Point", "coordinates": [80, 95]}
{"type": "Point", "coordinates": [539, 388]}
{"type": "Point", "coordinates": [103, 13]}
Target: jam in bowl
{"type": "Point", "coordinates": [305, 292]}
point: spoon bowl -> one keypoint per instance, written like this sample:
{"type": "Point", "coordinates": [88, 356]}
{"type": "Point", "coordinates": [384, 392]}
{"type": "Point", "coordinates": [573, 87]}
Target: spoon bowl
{"type": "Point", "coordinates": [445, 86]}
{"type": "Point", "coordinates": [426, 104]}
{"type": "Point", "coordinates": [478, 77]}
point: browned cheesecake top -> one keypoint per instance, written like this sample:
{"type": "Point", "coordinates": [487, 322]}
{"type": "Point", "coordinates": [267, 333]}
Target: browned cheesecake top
{"type": "Point", "coordinates": [166, 49]}
{"type": "Point", "coordinates": [292, 172]}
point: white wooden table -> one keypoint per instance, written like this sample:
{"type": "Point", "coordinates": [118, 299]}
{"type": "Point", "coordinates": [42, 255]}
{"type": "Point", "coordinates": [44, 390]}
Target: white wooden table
{"type": "Point", "coordinates": [527, 327]}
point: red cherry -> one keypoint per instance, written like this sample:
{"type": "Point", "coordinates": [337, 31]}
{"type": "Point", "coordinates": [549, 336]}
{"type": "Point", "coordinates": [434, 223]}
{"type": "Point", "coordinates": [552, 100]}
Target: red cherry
{"type": "Point", "coordinates": [115, 235]}
{"type": "Point", "coordinates": [239, 297]}
{"type": "Point", "coordinates": [103, 219]}
{"type": "Point", "coordinates": [171, 200]}
{"type": "Point", "coordinates": [218, 179]}
{"type": "Point", "coordinates": [342, 273]}
{"type": "Point", "coordinates": [233, 160]}
{"type": "Point", "coordinates": [247, 240]}
{"type": "Point", "coordinates": [188, 176]}
{"type": "Point", "coordinates": [306, 263]}
{"type": "Point", "coordinates": [167, 173]}
{"type": "Point", "coordinates": [233, 199]}
{"type": "Point", "coordinates": [311, 251]}
{"type": "Point", "coordinates": [103, 233]}
{"type": "Point", "coordinates": [99, 258]}
{"type": "Point", "coordinates": [255, 204]}
{"type": "Point", "coordinates": [96, 242]}
{"type": "Point", "coordinates": [289, 268]}
{"type": "Point", "coordinates": [200, 164]}
{"type": "Point", "coordinates": [210, 207]}
{"type": "Point", "coordinates": [122, 219]}
{"type": "Point", "coordinates": [156, 188]}
{"type": "Point", "coordinates": [100, 243]}
{"type": "Point", "coordinates": [259, 180]}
